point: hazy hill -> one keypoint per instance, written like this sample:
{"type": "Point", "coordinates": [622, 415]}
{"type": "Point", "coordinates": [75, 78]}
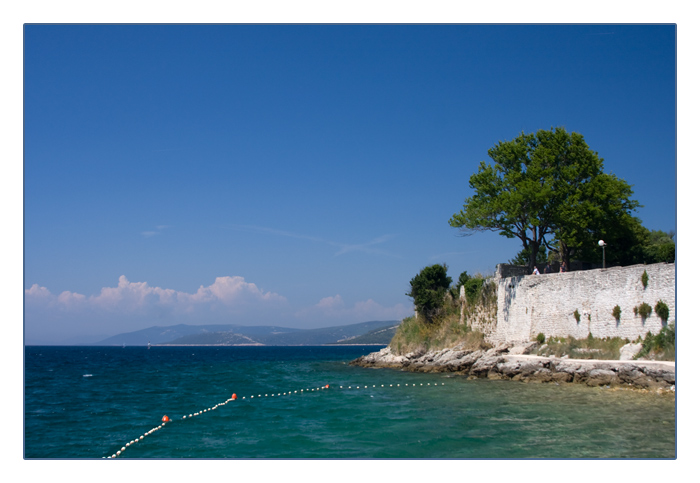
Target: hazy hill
{"type": "Point", "coordinates": [256, 335]}
{"type": "Point", "coordinates": [162, 335]}
{"type": "Point", "coordinates": [379, 336]}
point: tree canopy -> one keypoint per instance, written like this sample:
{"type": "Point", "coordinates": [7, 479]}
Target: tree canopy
{"type": "Point", "coordinates": [542, 188]}
{"type": "Point", "coordinates": [428, 290]}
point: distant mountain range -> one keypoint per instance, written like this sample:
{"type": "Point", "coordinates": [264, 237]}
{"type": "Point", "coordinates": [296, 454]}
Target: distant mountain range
{"type": "Point", "coordinates": [376, 332]}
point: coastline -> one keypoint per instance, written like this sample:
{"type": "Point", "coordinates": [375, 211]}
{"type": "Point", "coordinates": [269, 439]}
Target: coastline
{"type": "Point", "coordinates": [507, 362]}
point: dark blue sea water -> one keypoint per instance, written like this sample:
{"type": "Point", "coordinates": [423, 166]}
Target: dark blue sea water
{"type": "Point", "coordinates": [88, 402]}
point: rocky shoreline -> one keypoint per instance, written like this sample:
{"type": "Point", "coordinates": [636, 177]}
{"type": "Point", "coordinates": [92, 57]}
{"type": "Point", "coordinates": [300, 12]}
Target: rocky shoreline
{"type": "Point", "coordinates": [514, 362]}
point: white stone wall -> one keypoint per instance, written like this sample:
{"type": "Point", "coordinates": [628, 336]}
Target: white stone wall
{"type": "Point", "coordinates": [530, 304]}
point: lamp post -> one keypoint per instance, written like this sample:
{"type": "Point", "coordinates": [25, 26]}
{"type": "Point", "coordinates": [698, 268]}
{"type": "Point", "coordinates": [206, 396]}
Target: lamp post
{"type": "Point", "coordinates": [602, 245]}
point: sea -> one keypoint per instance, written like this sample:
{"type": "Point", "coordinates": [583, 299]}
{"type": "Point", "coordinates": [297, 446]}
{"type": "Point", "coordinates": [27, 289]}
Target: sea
{"type": "Point", "coordinates": [309, 403]}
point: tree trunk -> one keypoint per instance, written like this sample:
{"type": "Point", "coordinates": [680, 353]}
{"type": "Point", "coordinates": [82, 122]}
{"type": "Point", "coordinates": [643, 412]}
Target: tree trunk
{"type": "Point", "coordinates": [534, 249]}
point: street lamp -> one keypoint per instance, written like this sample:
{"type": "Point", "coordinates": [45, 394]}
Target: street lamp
{"type": "Point", "coordinates": [602, 245]}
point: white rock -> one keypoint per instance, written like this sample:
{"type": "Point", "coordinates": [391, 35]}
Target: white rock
{"type": "Point", "coordinates": [628, 351]}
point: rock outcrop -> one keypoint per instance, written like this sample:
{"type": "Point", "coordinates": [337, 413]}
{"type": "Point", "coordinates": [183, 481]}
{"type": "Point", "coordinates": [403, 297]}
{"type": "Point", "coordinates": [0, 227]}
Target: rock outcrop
{"type": "Point", "coordinates": [514, 363]}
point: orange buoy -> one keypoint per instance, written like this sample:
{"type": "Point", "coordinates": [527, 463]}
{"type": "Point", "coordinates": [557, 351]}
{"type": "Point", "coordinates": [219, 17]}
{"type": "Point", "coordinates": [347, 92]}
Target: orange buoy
{"type": "Point", "coordinates": [234, 397]}
{"type": "Point", "coordinates": [326, 386]}
{"type": "Point", "coordinates": [166, 419]}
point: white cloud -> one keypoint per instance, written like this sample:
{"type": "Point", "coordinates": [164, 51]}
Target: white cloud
{"type": "Point", "coordinates": [159, 229]}
{"type": "Point", "coordinates": [130, 306]}
{"type": "Point", "coordinates": [368, 247]}
{"type": "Point", "coordinates": [136, 305]}
{"type": "Point", "coordinates": [331, 303]}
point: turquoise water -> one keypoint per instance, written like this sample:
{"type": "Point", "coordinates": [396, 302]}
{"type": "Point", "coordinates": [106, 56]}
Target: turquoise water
{"type": "Point", "coordinates": [88, 402]}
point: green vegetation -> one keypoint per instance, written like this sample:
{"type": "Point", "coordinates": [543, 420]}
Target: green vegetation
{"type": "Point", "coordinates": [661, 310]}
{"type": "Point", "coordinates": [577, 316]}
{"type": "Point", "coordinates": [523, 257]}
{"type": "Point", "coordinates": [616, 312]}
{"type": "Point", "coordinates": [645, 279]}
{"type": "Point", "coordinates": [544, 187]}
{"type": "Point", "coordinates": [661, 347]}
{"type": "Point", "coordinates": [588, 348]}
{"type": "Point", "coordinates": [472, 288]}
{"type": "Point", "coordinates": [540, 338]}
{"type": "Point", "coordinates": [659, 246]}
{"type": "Point", "coordinates": [443, 327]}
{"type": "Point", "coordinates": [644, 309]}
{"type": "Point", "coordinates": [549, 189]}
{"type": "Point", "coordinates": [428, 290]}
{"type": "Point", "coordinates": [415, 334]}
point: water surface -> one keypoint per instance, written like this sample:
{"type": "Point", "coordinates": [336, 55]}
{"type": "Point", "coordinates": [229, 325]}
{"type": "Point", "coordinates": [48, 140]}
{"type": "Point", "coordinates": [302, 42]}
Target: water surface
{"type": "Point", "coordinates": [87, 402]}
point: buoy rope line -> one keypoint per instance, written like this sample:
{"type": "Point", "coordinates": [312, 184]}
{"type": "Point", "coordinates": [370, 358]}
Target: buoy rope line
{"type": "Point", "coordinates": [165, 420]}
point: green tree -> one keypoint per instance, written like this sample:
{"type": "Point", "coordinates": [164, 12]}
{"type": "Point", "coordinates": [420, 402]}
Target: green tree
{"type": "Point", "coordinates": [464, 277]}
{"type": "Point", "coordinates": [544, 187]}
{"type": "Point", "coordinates": [523, 256]}
{"type": "Point", "coordinates": [428, 290]}
{"type": "Point", "coordinates": [660, 247]}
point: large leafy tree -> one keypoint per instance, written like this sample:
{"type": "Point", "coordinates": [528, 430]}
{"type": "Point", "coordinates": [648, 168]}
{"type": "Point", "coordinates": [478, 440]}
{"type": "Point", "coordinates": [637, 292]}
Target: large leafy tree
{"type": "Point", "coordinates": [544, 187]}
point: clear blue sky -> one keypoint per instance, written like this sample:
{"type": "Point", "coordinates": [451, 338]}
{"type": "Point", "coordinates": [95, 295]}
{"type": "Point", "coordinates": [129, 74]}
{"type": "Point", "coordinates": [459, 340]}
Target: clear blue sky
{"type": "Point", "coordinates": [301, 175]}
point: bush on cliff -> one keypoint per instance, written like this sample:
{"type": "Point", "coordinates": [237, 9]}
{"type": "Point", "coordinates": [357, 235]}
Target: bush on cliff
{"type": "Point", "coordinates": [660, 347]}
{"type": "Point", "coordinates": [438, 322]}
{"type": "Point", "coordinates": [414, 334]}
{"type": "Point", "coordinates": [428, 290]}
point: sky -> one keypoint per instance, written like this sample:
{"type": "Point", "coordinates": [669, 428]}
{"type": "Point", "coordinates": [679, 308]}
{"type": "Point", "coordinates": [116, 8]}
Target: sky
{"type": "Point", "coordinates": [302, 175]}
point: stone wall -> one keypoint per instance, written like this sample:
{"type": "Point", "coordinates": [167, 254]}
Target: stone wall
{"type": "Point", "coordinates": [530, 304]}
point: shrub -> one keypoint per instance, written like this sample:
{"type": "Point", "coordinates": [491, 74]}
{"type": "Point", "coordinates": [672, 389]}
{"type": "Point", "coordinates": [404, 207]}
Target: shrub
{"type": "Point", "coordinates": [588, 348]}
{"type": "Point", "coordinates": [616, 312]}
{"type": "Point", "coordinates": [662, 345]}
{"type": "Point", "coordinates": [577, 316]}
{"type": "Point", "coordinates": [428, 290]}
{"type": "Point", "coordinates": [472, 288]}
{"type": "Point", "coordinates": [414, 334]}
{"type": "Point", "coordinates": [645, 279]}
{"type": "Point", "coordinates": [644, 310]}
{"type": "Point", "coordinates": [661, 310]}
{"type": "Point", "coordinates": [540, 338]}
